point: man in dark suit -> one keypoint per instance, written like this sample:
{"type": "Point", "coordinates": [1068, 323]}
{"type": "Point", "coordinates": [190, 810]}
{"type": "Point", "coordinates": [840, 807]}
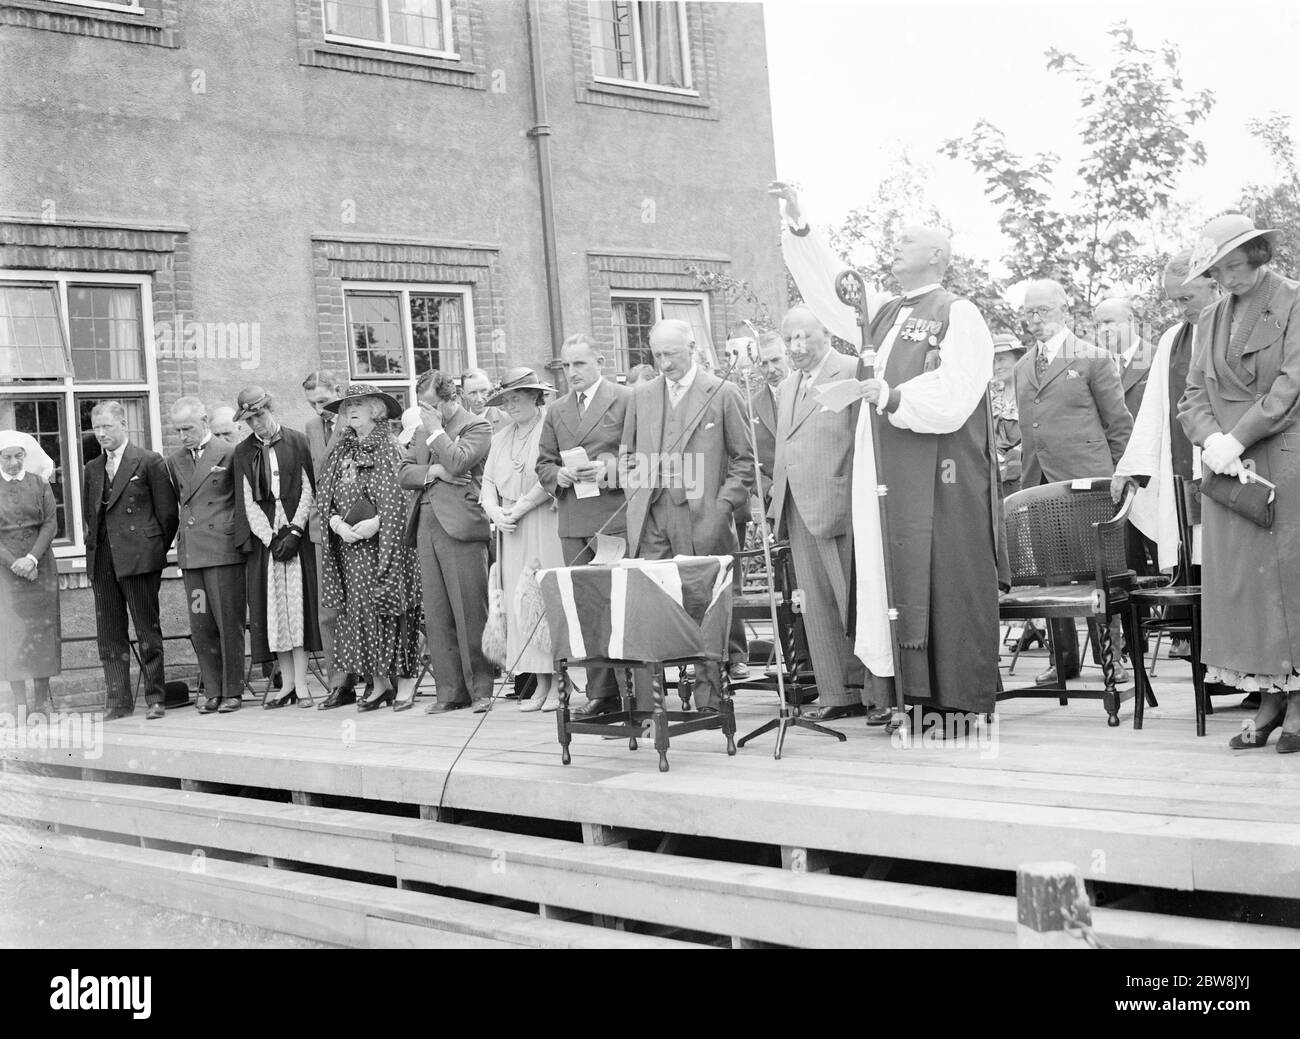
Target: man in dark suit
{"type": "Point", "coordinates": [211, 563]}
{"type": "Point", "coordinates": [447, 526]}
{"type": "Point", "coordinates": [775, 367]}
{"type": "Point", "coordinates": [590, 416]}
{"type": "Point", "coordinates": [1118, 335]}
{"type": "Point", "coordinates": [689, 464]}
{"type": "Point", "coordinates": [322, 430]}
{"type": "Point", "coordinates": [1073, 422]}
{"type": "Point", "coordinates": [131, 518]}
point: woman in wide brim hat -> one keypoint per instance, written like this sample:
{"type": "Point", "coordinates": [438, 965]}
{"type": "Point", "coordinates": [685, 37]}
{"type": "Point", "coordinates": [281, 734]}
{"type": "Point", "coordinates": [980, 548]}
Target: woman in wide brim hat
{"type": "Point", "coordinates": [371, 575]}
{"type": "Point", "coordinates": [527, 527]}
{"type": "Point", "coordinates": [356, 391]}
{"type": "Point", "coordinates": [1240, 408]}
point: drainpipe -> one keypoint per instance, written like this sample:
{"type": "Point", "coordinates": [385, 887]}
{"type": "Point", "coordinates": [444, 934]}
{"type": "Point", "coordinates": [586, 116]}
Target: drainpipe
{"type": "Point", "coordinates": [541, 132]}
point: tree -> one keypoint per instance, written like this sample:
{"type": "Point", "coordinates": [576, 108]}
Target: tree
{"type": "Point", "coordinates": [1277, 205]}
{"type": "Point", "coordinates": [1138, 119]}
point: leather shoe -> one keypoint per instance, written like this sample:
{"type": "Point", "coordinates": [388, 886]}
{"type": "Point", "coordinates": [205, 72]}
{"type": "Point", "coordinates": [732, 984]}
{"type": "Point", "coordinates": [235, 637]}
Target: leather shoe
{"type": "Point", "coordinates": [155, 712]}
{"type": "Point", "coordinates": [879, 715]}
{"type": "Point", "coordinates": [482, 705]}
{"type": "Point", "coordinates": [595, 708]}
{"type": "Point", "coordinates": [339, 696]}
{"type": "Point", "coordinates": [231, 704]}
{"type": "Point", "coordinates": [208, 704]}
{"type": "Point", "coordinates": [444, 708]}
{"type": "Point", "coordinates": [1288, 743]}
{"type": "Point", "coordinates": [114, 713]}
{"type": "Point", "coordinates": [830, 714]}
{"type": "Point", "coordinates": [738, 671]}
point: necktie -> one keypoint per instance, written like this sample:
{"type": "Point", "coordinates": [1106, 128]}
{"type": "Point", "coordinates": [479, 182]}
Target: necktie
{"type": "Point", "coordinates": [1040, 365]}
{"type": "Point", "coordinates": [582, 405]}
{"type": "Point", "coordinates": [194, 454]}
{"type": "Point", "coordinates": [110, 467]}
{"type": "Point", "coordinates": [674, 393]}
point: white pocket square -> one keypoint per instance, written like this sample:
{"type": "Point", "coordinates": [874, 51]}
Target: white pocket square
{"type": "Point", "coordinates": [1072, 373]}
{"type": "Point", "coordinates": [136, 477]}
{"type": "Point", "coordinates": [218, 469]}
{"type": "Point", "coordinates": [710, 425]}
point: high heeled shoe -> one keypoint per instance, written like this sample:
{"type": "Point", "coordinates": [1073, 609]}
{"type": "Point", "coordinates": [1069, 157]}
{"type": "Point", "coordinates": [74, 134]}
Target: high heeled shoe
{"type": "Point", "coordinates": [404, 703]}
{"type": "Point", "coordinates": [1288, 743]}
{"type": "Point", "coordinates": [1259, 736]}
{"type": "Point", "coordinates": [386, 697]}
{"type": "Point", "coordinates": [290, 697]}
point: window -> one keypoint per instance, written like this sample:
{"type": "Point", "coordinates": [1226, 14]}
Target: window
{"type": "Point", "coordinates": [636, 41]}
{"type": "Point", "coordinates": [68, 341]}
{"type": "Point", "coordinates": [635, 313]}
{"type": "Point", "coordinates": [396, 333]}
{"type": "Point", "coordinates": [125, 6]}
{"type": "Point", "coordinates": [414, 26]}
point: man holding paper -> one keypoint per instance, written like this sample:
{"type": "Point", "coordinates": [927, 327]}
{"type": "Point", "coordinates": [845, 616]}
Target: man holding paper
{"type": "Point", "coordinates": [577, 463]}
{"type": "Point", "coordinates": [811, 503]}
{"type": "Point", "coordinates": [935, 354]}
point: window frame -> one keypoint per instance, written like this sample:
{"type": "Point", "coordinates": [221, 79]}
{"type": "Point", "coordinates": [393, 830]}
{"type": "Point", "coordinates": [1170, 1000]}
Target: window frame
{"type": "Point", "coordinates": [122, 7]}
{"type": "Point", "coordinates": [638, 51]}
{"type": "Point", "coordinates": [658, 296]}
{"type": "Point", "coordinates": [404, 289]}
{"type": "Point", "coordinates": [449, 53]}
{"type": "Point", "coordinates": [69, 390]}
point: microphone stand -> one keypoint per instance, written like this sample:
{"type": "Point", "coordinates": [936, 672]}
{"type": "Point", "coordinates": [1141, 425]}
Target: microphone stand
{"type": "Point", "coordinates": [852, 290]}
{"type": "Point", "coordinates": [787, 716]}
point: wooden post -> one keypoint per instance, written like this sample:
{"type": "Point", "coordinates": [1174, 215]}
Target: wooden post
{"type": "Point", "coordinates": [305, 797]}
{"type": "Point", "coordinates": [600, 835]}
{"type": "Point", "coordinates": [1045, 893]}
{"type": "Point", "coordinates": [806, 860]}
{"type": "Point", "coordinates": [437, 815]}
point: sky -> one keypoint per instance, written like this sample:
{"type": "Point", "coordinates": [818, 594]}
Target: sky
{"type": "Point", "coordinates": [851, 82]}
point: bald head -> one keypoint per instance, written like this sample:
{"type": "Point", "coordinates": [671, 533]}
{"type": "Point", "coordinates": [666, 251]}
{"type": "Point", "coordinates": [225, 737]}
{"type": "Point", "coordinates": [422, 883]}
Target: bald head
{"type": "Point", "coordinates": [1114, 324]}
{"type": "Point", "coordinates": [805, 338]}
{"type": "Point", "coordinates": [921, 256]}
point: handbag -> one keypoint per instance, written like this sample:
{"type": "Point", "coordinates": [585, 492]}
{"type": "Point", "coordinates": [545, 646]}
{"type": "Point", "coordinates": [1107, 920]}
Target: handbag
{"type": "Point", "coordinates": [1252, 500]}
{"type": "Point", "coordinates": [362, 509]}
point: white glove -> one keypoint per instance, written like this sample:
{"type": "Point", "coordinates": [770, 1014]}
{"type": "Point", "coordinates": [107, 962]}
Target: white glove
{"type": "Point", "coordinates": [1220, 451]}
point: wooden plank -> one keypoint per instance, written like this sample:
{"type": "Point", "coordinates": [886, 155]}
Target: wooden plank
{"type": "Point", "coordinates": [324, 909]}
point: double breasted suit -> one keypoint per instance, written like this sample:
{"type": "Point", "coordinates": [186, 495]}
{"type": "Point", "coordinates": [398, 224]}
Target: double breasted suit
{"type": "Point", "coordinates": [211, 564]}
{"type": "Point", "coordinates": [1133, 376]}
{"type": "Point", "coordinates": [450, 532]}
{"type": "Point", "coordinates": [1249, 386]}
{"type": "Point", "coordinates": [130, 523]}
{"type": "Point", "coordinates": [599, 432]}
{"type": "Point", "coordinates": [812, 506]}
{"type": "Point", "coordinates": [1073, 422]}
{"type": "Point", "coordinates": [690, 469]}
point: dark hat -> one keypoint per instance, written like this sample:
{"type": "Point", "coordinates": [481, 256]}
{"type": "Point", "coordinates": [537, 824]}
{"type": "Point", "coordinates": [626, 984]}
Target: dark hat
{"type": "Point", "coordinates": [1004, 343]}
{"type": "Point", "coordinates": [517, 379]}
{"type": "Point", "coordinates": [360, 390]}
{"type": "Point", "coordinates": [1218, 238]}
{"type": "Point", "coordinates": [250, 399]}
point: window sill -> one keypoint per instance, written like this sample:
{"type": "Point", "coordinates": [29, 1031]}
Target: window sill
{"type": "Point", "coordinates": [646, 99]}
{"type": "Point", "coordinates": [148, 26]}
{"type": "Point", "coordinates": [379, 61]}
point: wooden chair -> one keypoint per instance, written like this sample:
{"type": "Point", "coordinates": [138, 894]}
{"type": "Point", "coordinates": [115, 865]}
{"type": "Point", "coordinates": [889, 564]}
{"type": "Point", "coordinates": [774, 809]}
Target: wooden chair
{"type": "Point", "coordinates": [1178, 592]}
{"type": "Point", "coordinates": [1065, 543]}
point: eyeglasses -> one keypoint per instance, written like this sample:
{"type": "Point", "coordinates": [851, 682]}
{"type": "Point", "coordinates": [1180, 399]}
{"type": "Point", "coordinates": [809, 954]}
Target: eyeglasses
{"type": "Point", "coordinates": [1043, 311]}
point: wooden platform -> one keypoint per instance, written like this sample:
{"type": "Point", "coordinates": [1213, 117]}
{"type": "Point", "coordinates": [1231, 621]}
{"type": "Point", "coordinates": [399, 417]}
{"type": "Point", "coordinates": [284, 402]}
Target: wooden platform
{"type": "Point", "coordinates": [1157, 809]}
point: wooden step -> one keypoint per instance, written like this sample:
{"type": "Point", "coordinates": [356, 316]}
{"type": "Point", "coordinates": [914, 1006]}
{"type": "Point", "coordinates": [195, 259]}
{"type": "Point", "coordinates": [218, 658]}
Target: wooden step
{"type": "Point", "coordinates": [340, 912]}
{"type": "Point", "coordinates": [751, 903]}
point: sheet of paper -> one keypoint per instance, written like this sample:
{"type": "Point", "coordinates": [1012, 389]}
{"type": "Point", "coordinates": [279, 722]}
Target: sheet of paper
{"type": "Point", "coordinates": [572, 458]}
{"type": "Point", "coordinates": [609, 550]}
{"type": "Point", "coordinates": [837, 395]}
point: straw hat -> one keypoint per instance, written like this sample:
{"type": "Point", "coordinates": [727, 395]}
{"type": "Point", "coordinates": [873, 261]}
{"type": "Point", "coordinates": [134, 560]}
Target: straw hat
{"type": "Point", "coordinates": [1218, 238]}
{"type": "Point", "coordinates": [1005, 343]}
{"type": "Point", "coordinates": [517, 379]}
{"type": "Point", "coordinates": [361, 390]}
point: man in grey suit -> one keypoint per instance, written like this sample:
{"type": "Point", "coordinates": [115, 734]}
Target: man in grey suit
{"type": "Point", "coordinates": [447, 526]}
{"type": "Point", "coordinates": [589, 416]}
{"type": "Point", "coordinates": [812, 505]}
{"type": "Point", "coordinates": [689, 464]}
{"type": "Point", "coordinates": [211, 564]}
{"type": "Point", "coordinates": [322, 429]}
{"type": "Point", "coordinates": [1073, 422]}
